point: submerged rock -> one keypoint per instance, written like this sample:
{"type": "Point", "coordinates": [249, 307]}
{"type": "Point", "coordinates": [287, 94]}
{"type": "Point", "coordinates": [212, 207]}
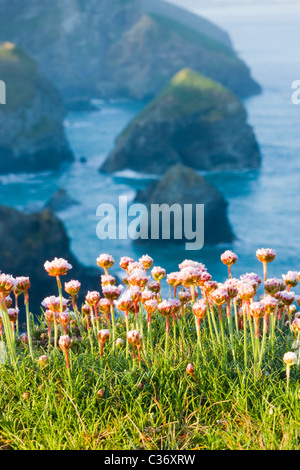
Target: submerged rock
{"type": "Point", "coordinates": [27, 241]}
{"type": "Point", "coordinates": [182, 185]}
{"type": "Point", "coordinates": [31, 122]}
{"type": "Point", "coordinates": [194, 121]}
{"type": "Point", "coordinates": [60, 201]}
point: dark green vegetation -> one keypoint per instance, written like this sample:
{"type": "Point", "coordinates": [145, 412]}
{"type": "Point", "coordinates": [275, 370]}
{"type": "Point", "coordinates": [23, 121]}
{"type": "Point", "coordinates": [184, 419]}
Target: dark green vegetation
{"type": "Point", "coordinates": [223, 407]}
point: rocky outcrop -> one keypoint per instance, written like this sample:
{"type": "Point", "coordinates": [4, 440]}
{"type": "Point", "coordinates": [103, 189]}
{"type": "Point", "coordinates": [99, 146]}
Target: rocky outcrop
{"type": "Point", "coordinates": [60, 201]}
{"type": "Point", "coordinates": [181, 185]}
{"type": "Point", "coordinates": [31, 122]}
{"type": "Point", "coordinates": [194, 121]}
{"type": "Point", "coordinates": [113, 49]}
{"type": "Point", "coordinates": [27, 241]}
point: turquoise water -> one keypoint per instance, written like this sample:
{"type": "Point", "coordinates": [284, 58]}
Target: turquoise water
{"type": "Point", "coordinates": [263, 205]}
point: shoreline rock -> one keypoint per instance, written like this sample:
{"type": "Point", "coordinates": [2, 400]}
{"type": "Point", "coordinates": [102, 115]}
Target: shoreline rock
{"type": "Point", "coordinates": [27, 241]}
{"type": "Point", "coordinates": [182, 185]}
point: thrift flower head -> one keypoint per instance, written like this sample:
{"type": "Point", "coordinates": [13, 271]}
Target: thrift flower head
{"type": "Point", "coordinates": [169, 307]}
{"type": "Point", "coordinates": [92, 298]}
{"type": "Point", "coordinates": [138, 277]}
{"type": "Point", "coordinates": [251, 277]}
{"type": "Point", "coordinates": [22, 284]}
{"type": "Point", "coordinates": [246, 290]}
{"type": "Point", "coordinates": [135, 265]}
{"type": "Point", "coordinates": [257, 309]}
{"type": "Point", "coordinates": [287, 297]}
{"type": "Point", "coordinates": [229, 258]}
{"type": "Point", "coordinates": [112, 292]}
{"type": "Point", "coordinates": [104, 306]}
{"type": "Point", "coordinates": [190, 276]}
{"type": "Point", "coordinates": [8, 301]}
{"type": "Point", "coordinates": [103, 336]}
{"type": "Point", "coordinates": [134, 338]}
{"type": "Point", "coordinates": [7, 284]}
{"type": "Point", "coordinates": [185, 296]}
{"type": "Point", "coordinates": [290, 279]}
{"type": "Point", "coordinates": [64, 343]}
{"type": "Point", "coordinates": [204, 277]}
{"type": "Point", "coordinates": [200, 308]}
{"type": "Point", "coordinates": [173, 279]}
{"type": "Point", "coordinates": [72, 287]}
{"type": "Point", "coordinates": [148, 295]}
{"type": "Point", "coordinates": [158, 273]}
{"type": "Point", "coordinates": [270, 304]}
{"type": "Point", "coordinates": [272, 286]}
{"type": "Point", "coordinates": [220, 296]}
{"type": "Point", "coordinates": [108, 279]}
{"type": "Point", "coordinates": [231, 286]}
{"type": "Point", "coordinates": [151, 306]}
{"type": "Point", "coordinates": [290, 358]}
{"type": "Point", "coordinates": [105, 261]}
{"type": "Point", "coordinates": [64, 318]}
{"type": "Point", "coordinates": [190, 369]}
{"type": "Point", "coordinates": [43, 360]}
{"type": "Point", "coordinates": [124, 303]}
{"type": "Point", "coordinates": [147, 261]}
{"type": "Point", "coordinates": [295, 326]}
{"type": "Point", "coordinates": [53, 303]}
{"type": "Point", "coordinates": [187, 263]}
{"type": "Point", "coordinates": [125, 261]}
{"type": "Point", "coordinates": [13, 314]}
{"type": "Point", "coordinates": [57, 267]}
{"type": "Point", "coordinates": [154, 286]}
{"type": "Point", "coordinates": [266, 255]}
{"type": "Point", "coordinates": [210, 286]}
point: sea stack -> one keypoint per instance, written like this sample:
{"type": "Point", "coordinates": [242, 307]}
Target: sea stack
{"type": "Point", "coordinates": [194, 121]}
{"type": "Point", "coordinates": [181, 185]}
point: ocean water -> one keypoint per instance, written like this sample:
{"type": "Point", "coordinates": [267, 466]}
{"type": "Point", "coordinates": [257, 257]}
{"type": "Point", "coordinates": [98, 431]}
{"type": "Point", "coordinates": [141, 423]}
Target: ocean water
{"type": "Point", "coordinates": [263, 205]}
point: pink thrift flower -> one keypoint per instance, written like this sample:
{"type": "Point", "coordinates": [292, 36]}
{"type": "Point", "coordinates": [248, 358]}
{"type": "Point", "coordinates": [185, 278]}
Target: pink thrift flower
{"type": "Point", "coordinates": [57, 267]}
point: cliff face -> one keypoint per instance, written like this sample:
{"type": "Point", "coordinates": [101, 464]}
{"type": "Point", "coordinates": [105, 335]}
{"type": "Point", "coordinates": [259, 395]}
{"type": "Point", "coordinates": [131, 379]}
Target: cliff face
{"type": "Point", "coordinates": [31, 121]}
{"type": "Point", "coordinates": [194, 121]}
{"type": "Point", "coordinates": [181, 185]}
{"type": "Point", "coordinates": [112, 49]}
{"type": "Point", "coordinates": [68, 38]}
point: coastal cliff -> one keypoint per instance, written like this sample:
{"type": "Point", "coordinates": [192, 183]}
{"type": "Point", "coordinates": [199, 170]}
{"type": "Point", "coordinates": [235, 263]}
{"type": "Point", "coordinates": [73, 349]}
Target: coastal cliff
{"type": "Point", "coordinates": [120, 48]}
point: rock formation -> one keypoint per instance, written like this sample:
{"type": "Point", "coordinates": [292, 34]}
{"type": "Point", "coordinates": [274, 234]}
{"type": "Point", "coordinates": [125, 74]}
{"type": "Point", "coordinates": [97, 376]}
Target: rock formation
{"type": "Point", "coordinates": [60, 201]}
{"type": "Point", "coordinates": [120, 48]}
{"type": "Point", "coordinates": [194, 121]}
{"type": "Point", "coordinates": [27, 241]}
{"type": "Point", "coordinates": [31, 122]}
{"type": "Point", "coordinates": [181, 185]}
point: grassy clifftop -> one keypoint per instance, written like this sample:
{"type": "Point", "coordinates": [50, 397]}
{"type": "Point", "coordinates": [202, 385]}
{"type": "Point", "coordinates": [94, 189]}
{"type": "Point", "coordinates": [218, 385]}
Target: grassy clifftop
{"type": "Point", "coordinates": [186, 93]}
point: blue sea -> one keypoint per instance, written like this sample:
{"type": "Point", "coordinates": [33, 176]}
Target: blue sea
{"type": "Point", "coordinates": [263, 204]}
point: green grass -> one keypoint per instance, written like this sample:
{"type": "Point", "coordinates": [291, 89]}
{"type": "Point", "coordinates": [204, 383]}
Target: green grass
{"type": "Point", "coordinates": [191, 35]}
{"type": "Point", "coordinates": [186, 93]}
{"type": "Point", "coordinates": [223, 407]}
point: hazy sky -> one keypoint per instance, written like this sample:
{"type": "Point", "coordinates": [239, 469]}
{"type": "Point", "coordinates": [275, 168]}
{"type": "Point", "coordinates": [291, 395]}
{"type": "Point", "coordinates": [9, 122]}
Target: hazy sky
{"type": "Point", "coordinates": [210, 3]}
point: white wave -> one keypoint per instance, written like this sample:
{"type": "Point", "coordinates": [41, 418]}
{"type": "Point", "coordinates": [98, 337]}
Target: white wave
{"type": "Point", "coordinates": [131, 174]}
